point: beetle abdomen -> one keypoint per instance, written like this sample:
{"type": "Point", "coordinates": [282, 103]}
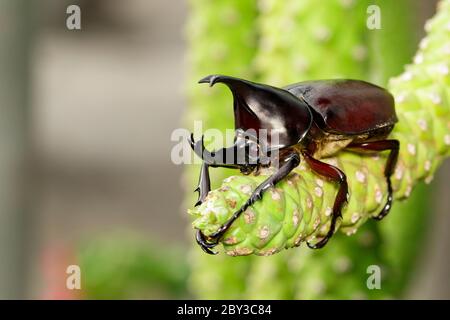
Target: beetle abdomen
{"type": "Point", "coordinates": [347, 106]}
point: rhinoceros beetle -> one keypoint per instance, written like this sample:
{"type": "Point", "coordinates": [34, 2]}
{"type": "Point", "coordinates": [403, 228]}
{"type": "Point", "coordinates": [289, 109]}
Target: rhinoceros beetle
{"type": "Point", "coordinates": [313, 120]}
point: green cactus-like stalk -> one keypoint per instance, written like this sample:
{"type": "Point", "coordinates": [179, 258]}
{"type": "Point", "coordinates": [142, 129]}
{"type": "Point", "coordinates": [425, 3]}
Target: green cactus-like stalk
{"type": "Point", "coordinates": [404, 232]}
{"type": "Point", "coordinates": [309, 275]}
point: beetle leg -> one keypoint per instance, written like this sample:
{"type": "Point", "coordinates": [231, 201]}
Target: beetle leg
{"type": "Point", "coordinates": [330, 172]}
{"type": "Point", "coordinates": [225, 157]}
{"type": "Point", "coordinates": [393, 146]}
{"type": "Point", "coordinates": [202, 242]}
{"type": "Point", "coordinates": [204, 184]}
{"type": "Point", "coordinates": [290, 162]}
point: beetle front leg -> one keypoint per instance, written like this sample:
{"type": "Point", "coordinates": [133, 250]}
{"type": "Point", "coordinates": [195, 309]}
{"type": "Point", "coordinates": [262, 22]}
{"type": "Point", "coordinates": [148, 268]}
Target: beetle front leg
{"type": "Point", "coordinates": [207, 242]}
{"type": "Point", "coordinates": [332, 173]}
{"type": "Point", "coordinates": [225, 158]}
{"type": "Point", "coordinates": [204, 184]}
{"type": "Point", "coordinates": [378, 146]}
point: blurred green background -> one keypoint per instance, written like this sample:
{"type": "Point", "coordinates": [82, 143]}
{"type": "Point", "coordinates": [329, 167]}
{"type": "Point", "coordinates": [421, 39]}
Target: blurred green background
{"type": "Point", "coordinates": [86, 119]}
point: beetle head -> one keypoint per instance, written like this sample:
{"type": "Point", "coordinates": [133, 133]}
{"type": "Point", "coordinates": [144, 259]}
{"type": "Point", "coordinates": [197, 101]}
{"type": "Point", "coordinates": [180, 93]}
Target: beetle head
{"type": "Point", "coordinates": [261, 108]}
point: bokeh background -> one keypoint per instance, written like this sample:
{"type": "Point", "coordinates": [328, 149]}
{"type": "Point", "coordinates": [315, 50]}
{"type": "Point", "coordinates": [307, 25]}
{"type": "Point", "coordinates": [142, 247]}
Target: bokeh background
{"type": "Point", "coordinates": [85, 169]}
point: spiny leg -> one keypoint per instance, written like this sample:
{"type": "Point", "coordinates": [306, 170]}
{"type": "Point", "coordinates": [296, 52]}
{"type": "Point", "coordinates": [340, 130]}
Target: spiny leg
{"type": "Point", "coordinates": [225, 157]}
{"type": "Point", "coordinates": [378, 146]}
{"type": "Point", "coordinates": [290, 162]}
{"type": "Point", "coordinates": [203, 243]}
{"type": "Point", "coordinates": [204, 184]}
{"type": "Point", "coordinates": [332, 173]}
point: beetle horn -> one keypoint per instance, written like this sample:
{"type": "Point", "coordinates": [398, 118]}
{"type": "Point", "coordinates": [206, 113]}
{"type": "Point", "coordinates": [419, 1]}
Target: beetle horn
{"type": "Point", "coordinates": [260, 106]}
{"type": "Point", "coordinates": [242, 90]}
{"type": "Point", "coordinates": [214, 78]}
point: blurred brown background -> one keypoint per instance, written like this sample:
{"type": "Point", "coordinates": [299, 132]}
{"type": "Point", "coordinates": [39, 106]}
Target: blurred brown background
{"type": "Point", "coordinates": [91, 112]}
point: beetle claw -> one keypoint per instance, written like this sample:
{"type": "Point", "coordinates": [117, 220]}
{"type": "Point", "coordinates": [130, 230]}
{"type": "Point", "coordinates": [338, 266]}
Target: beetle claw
{"type": "Point", "coordinates": [218, 234]}
{"type": "Point", "coordinates": [388, 205]}
{"type": "Point", "coordinates": [319, 244]}
{"type": "Point", "coordinates": [204, 244]}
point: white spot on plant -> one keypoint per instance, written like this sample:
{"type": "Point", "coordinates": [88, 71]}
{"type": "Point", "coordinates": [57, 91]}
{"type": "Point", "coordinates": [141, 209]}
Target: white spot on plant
{"type": "Point", "coordinates": [401, 97]}
{"type": "Point", "coordinates": [424, 43]}
{"type": "Point", "coordinates": [249, 216]}
{"type": "Point", "coordinates": [322, 33]}
{"type": "Point", "coordinates": [264, 232]}
{"type": "Point", "coordinates": [378, 195]}
{"type": "Point", "coordinates": [360, 176]}
{"type": "Point", "coordinates": [347, 4]}
{"type": "Point", "coordinates": [427, 165]}
{"type": "Point", "coordinates": [447, 48]}
{"type": "Point", "coordinates": [295, 218]}
{"type": "Point", "coordinates": [246, 189]}
{"type": "Point", "coordinates": [408, 190]}
{"type": "Point", "coordinates": [318, 287]}
{"type": "Point", "coordinates": [229, 179]}
{"type": "Point", "coordinates": [275, 194]}
{"type": "Point", "coordinates": [428, 26]}
{"type": "Point", "coordinates": [443, 69]}
{"type": "Point", "coordinates": [309, 202]}
{"type": "Point", "coordinates": [355, 217]}
{"type": "Point", "coordinates": [418, 59]}
{"type": "Point", "coordinates": [399, 171]}
{"type": "Point", "coordinates": [318, 191]}
{"type": "Point", "coordinates": [447, 139]}
{"type": "Point", "coordinates": [316, 223]}
{"type": "Point", "coordinates": [333, 162]}
{"type": "Point", "coordinates": [435, 98]}
{"type": "Point", "coordinates": [264, 5]}
{"type": "Point", "coordinates": [299, 239]}
{"type": "Point", "coordinates": [359, 53]}
{"type": "Point", "coordinates": [406, 76]}
{"type": "Point", "coordinates": [411, 149]}
{"type": "Point", "coordinates": [422, 124]}
{"type": "Point", "coordinates": [429, 179]}
{"type": "Point", "coordinates": [343, 264]}
{"type": "Point", "coordinates": [301, 64]}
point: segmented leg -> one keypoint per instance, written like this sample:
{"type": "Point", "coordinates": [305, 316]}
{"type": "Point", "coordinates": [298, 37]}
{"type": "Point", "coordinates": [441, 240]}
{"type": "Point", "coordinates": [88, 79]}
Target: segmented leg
{"type": "Point", "coordinates": [378, 146]}
{"type": "Point", "coordinates": [290, 162]}
{"type": "Point", "coordinates": [225, 157]}
{"type": "Point", "coordinates": [332, 173]}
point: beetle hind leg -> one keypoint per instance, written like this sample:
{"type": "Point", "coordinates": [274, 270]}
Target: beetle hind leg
{"type": "Point", "coordinates": [332, 173]}
{"type": "Point", "coordinates": [377, 146]}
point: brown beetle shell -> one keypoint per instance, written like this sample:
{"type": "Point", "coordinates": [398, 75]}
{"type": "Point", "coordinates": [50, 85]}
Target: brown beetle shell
{"type": "Point", "coordinates": [347, 106]}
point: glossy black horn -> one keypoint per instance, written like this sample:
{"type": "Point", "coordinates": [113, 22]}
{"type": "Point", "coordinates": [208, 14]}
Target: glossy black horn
{"type": "Point", "coordinates": [259, 106]}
